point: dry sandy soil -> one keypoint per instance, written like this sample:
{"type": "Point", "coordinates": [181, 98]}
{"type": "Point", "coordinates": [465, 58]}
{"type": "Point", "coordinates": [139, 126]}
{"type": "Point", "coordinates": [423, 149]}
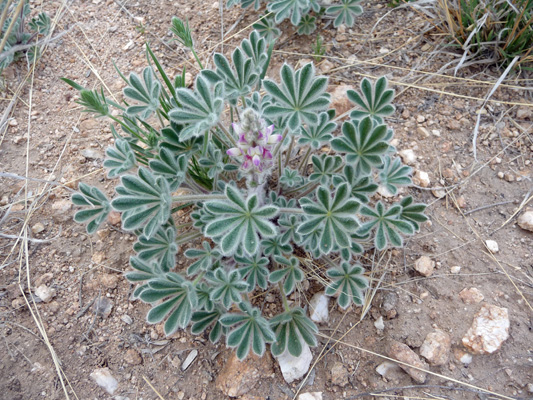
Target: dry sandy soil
{"type": "Point", "coordinates": [50, 349]}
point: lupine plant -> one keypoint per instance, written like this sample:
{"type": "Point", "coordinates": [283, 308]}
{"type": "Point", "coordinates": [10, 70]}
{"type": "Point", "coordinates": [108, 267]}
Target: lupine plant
{"type": "Point", "coordinates": [272, 183]}
{"type": "Point", "coordinates": [301, 13]}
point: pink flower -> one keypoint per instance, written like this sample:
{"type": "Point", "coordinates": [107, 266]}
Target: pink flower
{"type": "Point", "coordinates": [254, 147]}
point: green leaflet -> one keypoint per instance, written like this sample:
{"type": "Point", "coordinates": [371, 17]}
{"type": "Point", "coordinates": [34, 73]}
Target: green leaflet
{"type": "Point", "coordinates": [345, 12]}
{"type": "Point", "coordinates": [375, 100]}
{"type": "Point", "coordinates": [284, 9]}
{"type": "Point", "coordinates": [292, 328]}
{"type": "Point", "coordinates": [226, 286]}
{"type": "Point", "coordinates": [317, 135]}
{"type": "Point", "coordinates": [288, 271]}
{"type": "Point", "coordinates": [145, 92]}
{"type": "Point", "coordinates": [120, 158]}
{"type": "Point", "coordinates": [161, 247]}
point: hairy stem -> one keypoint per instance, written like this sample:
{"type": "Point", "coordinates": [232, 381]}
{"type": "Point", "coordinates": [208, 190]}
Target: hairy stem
{"type": "Point", "coordinates": [227, 134]}
{"type": "Point", "coordinates": [198, 197]}
{"type": "Point", "coordinates": [284, 297]}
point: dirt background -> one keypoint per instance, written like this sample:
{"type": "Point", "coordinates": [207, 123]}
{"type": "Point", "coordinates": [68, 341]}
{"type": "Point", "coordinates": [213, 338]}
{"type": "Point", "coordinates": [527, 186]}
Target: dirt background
{"type": "Point", "coordinates": [52, 143]}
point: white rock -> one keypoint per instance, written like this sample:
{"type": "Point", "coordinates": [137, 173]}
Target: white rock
{"type": "Point", "coordinates": [421, 178]}
{"type": "Point", "coordinates": [525, 221]}
{"type": "Point", "coordinates": [384, 50]}
{"type": "Point", "coordinates": [379, 324]}
{"type": "Point", "coordinates": [310, 396]}
{"type": "Point", "coordinates": [104, 379]}
{"type": "Point", "coordinates": [318, 307]}
{"type": "Point", "coordinates": [471, 295]}
{"type": "Point", "coordinates": [424, 265]}
{"type": "Point", "coordinates": [455, 269]}
{"type": "Point", "coordinates": [420, 119]}
{"type": "Point", "coordinates": [492, 246]}
{"type": "Point", "coordinates": [38, 228]}
{"type": "Point", "coordinates": [408, 156]}
{"type": "Point", "coordinates": [91, 154]}
{"type": "Point", "coordinates": [45, 293]}
{"type": "Point", "coordinates": [384, 192]}
{"type": "Point", "coordinates": [488, 331]}
{"type": "Point", "coordinates": [466, 358]}
{"type": "Point", "coordinates": [436, 347]}
{"type": "Point", "coordinates": [294, 368]}
{"type": "Point", "coordinates": [126, 319]}
{"type": "Point", "coordinates": [385, 367]}
{"type": "Point", "coordinates": [189, 359]}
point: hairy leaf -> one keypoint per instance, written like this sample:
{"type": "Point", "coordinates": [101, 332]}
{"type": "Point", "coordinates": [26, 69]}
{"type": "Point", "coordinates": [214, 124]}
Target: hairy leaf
{"type": "Point", "coordinates": [292, 327]}
{"type": "Point", "coordinates": [145, 92]}
{"type": "Point", "coordinates": [98, 207]}
{"type": "Point", "coordinates": [120, 158]}
{"type": "Point", "coordinates": [375, 100]}
{"type": "Point", "coordinates": [349, 282]}
{"type": "Point", "coordinates": [345, 12]}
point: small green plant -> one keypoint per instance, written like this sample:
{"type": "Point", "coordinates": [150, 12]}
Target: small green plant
{"type": "Point", "coordinates": [491, 30]}
{"type": "Point", "coordinates": [299, 13]}
{"type": "Point", "coordinates": [16, 41]}
{"type": "Point", "coordinates": [259, 213]}
{"type": "Point", "coordinates": [318, 48]}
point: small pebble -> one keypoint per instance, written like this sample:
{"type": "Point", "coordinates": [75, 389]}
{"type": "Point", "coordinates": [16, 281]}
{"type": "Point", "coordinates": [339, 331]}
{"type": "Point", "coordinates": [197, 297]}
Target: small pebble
{"type": "Point", "coordinates": [492, 246]}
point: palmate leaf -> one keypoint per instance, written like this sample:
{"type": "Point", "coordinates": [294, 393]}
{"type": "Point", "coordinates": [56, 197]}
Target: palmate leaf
{"type": "Point", "coordinates": [171, 167]}
{"type": "Point", "coordinates": [362, 188]}
{"type": "Point", "coordinates": [239, 222]}
{"type": "Point", "coordinates": [289, 227]}
{"type": "Point", "coordinates": [145, 92]}
{"type": "Point", "coordinates": [291, 328]}
{"type": "Point", "coordinates": [146, 199]}
{"type": "Point", "coordinates": [288, 271]}
{"type": "Point", "coordinates": [98, 207]}
{"type": "Point", "coordinates": [254, 271]}
{"type": "Point", "coordinates": [239, 80]}
{"type": "Point", "coordinates": [345, 12]}
{"type": "Point", "coordinates": [172, 140]}
{"type": "Point", "coordinates": [284, 9]}
{"type": "Point", "coordinates": [142, 272]}
{"type": "Point", "coordinates": [316, 135]}
{"type": "Point", "coordinates": [375, 100]}
{"type": "Point", "coordinates": [41, 23]}
{"type": "Point", "coordinates": [290, 178]}
{"type": "Point", "coordinates": [307, 25]}
{"type": "Point", "coordinates": [388, 225]}
{"type": "Point", "coordinates": [394, 174]}
{"type": "Point", "coordinates": [250, 329]}
{"type": "Point", "coordinates": [176, 298]}
{"type": "Point", "coordinates": [203, 292]}
{"type": "Point", "coordinates": [299, 97]}
{"type": "Point", "coordinates": [201, 320]}
{"type": "Point", "coordinates": [349, 282]}
{"type": "Point", "coordinates": [267, 28]}
{"type": "Point", "coordinates": [414, 213]}
{"type": "Point", "coordinates": [162, 247]}
{"type": "Point", "coordinates": [333, 214]}
{"type": "Point", "coordinates": [275, 246]}
{"type": "Point", "coordinates": [364, 145]}
{"type": "Point", "coordinates": [255, 48]}
{"type": "Point", "coordinates": [205, 258]}
{"type": "Point", "coordinates": [120, 158]}
{"type": "Point", "coordinates": [200, 109]}
{"type": "Point", "coordinates": [325, 168]}
{"type": "Point", "coordinates": [226, 286]}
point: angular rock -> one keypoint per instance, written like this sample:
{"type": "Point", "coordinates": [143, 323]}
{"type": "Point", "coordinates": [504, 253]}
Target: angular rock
{"type": "Point", "coordinates": [294, 368]}
{"type": "Point", "coordinates": [45, 293]}
{"type": "Point", "coordinates": [114, 218]}
{"type": "Point", "coordinates": [104, 379]}
{"type": "Point", "coordinates": [189, 359]}
{"type": "Point", "coordinates": [37, 228]}
{"type": "Point", "coordinates": [436, 347]}
{"type": "Point", "coordinates": [385, 369]}
{"type": "Point", "coordinates": [421, 178]}
{"type": "Point", "coordinates": [318, 307]}
{"type": "Point", "coordinates": [110, 281]}
{"type": "Point", "coordinates": [133, 357]}
{"type": "Point", "coordinates": [471, 295]}
{"type": "Point", "coordinates": [103, 306]}
{"type": "Point", "coordinates": [525, 221]}
{"type": "Point", "coordinates": [424, 266]}
{"type": "Point", "coordinates": [402, 352]}
{"type": "Point", "coordinates": [488, 331]}
{"type": "Point", "coordinates": [524, 112]}
{"type": "Point", "coordinates": [462, 356]}
{"type": "Point", "coordinates": [239, 377]}
{"type": "Point", "coordinates": [408, 156]}
{"type": "Point", "coordinates": [339, 374]}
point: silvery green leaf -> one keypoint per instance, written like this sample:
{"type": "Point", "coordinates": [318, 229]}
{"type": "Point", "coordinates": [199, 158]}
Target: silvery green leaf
{"type": "Point", "coordinates": [292, 327]}
{"type": "Point", "coordinates": [120, 158]}
{"type": "Point", "coordinates": [318, 134]}
{"type": "Point", "coordinates": [255, 48]}
{"type": "Point", "coordinates": [249, 329]}
{"type": "Point", "coordinates": [375, 100]}
{"type": "Point", "coordinates": [205, 258]}
{"type": "Point", "coordinates": [362, 187]}
{"type": "Point", "coordinates": [387, 223]}
{"type": "Point", "coordinates": [171, 167]}
{"type": "Point", "coordinates": [289, 272]}
{"type": "Point", "coordinates": [349, 282]}
{"type": "Point", "coordinates": [147, 200]}
{"type": "Point", "coordinates": [364, 145]}
{"type": "Point", "coordinates": [284, 9]}
{"type": "Point", "coordinates": [171, 139]}
{"type": "Point", "coordinates": [276, 246]}
{"type": "Point", "coordinates": [227, 287]}
{"type": "Point", "coordinates": [267, 28]}
{"type": "Point", "coordinates": [254, 270]}
{"type": "Point", "coordinates": [333, 214]}
{"type": "Point", "coordinates": [97, 206]}
{"type": "Point", "coordinates": [325, 168]}
{"type": "Point", "coordinates": [162, 247]}
{"type": "Point", "coordinates": [145, 91]}
{"type": "Point", "coordinates": [176, 300]}
{"type": "Point", "coordinates": [394, 174]}
{"type": "Point", "coordinates": [299, 97]}
{"type": "Point", "coordinates": [201, 320]}
{"type": "Point", "coordinates": [290, 178]}
{"type": "Point", "coordinates": [200, 109]}
{"type": "Point", "coordinates": [307, 25]}
{"type": "Point", "coordinates": [414, 213]}
{"type": "Point", "coordinates": [345, 12]}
